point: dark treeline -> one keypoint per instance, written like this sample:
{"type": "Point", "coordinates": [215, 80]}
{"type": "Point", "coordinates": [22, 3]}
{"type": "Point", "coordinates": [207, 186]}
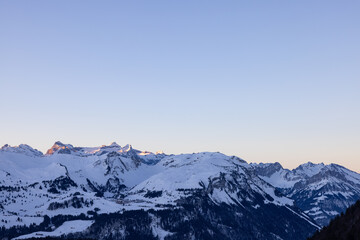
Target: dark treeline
{"type": "Point", "coordinates": [46, 225]}
{"type": "Point", "coordinates": [343, 227]}
{"type": "Point", "coordinates": [195, 217]}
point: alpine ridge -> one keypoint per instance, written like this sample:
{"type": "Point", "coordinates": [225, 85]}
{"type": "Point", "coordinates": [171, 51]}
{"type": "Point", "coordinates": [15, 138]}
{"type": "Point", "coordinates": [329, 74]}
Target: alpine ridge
{"type": "Point", "coordinates": [321, 191]}
{"type": "Point", "coordinates": [116, 192]}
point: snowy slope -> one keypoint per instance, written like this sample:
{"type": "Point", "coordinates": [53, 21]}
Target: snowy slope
{"type": "Point", "coordinates": [70, 180]}
{"type": "Point", "coordinates": [65, 228]}
{"type": "Point", "coordinates": [23, 149]}
{"type": "Point", "coordinates": [224, 176]}
{"type": "Point", "coordinates": [276, 175]}
{"type": "Point", "coordinates": [322, 191]}
{"type": "Point", "coordinates": [74, 180]}
{"type": "Point", "coordinates": [33, 185]}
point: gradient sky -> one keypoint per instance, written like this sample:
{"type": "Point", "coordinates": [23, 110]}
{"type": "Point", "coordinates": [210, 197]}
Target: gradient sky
{"type": "Point", "coordinates": [264, 80]}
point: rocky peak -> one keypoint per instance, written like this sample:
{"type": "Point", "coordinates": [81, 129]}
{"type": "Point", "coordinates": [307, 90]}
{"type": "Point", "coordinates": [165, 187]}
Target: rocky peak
{"type": "Point", "coordinates": [268, 169]}
{"type": "Point", "coordinates": [127, 148]}
{"type": "Point", "coordinates": [60, 148]}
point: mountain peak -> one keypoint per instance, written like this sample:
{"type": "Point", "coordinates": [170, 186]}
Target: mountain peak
{"type": "Point", "coordinates": [61, 148]}
{"type": "Point", "coordinates": [309, 169]}
{"type": "Point", "coordinates": [22, 148]}
{"type": "Point", "coordinates": [114, 144]}
{"type": "Point", "coordinates": [268, 169]}
{"type": "Point", "coordinates": [310, 164]}
{"type": "Point", "coordinates": [127, 148]}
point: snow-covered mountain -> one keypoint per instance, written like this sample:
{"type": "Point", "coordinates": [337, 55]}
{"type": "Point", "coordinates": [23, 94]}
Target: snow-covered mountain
{"type": "Point", "coordinates": [31, 183]}
{"type": "Point", "coordinates": [322, 191]}
{"type": "Point", "coordinates": [23, 149]}
{"type": "Point", "coordinates": [203, 195]}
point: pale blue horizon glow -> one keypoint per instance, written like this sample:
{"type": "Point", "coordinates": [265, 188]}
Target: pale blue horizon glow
{"type": "Point", "coordinates": [266, 81]}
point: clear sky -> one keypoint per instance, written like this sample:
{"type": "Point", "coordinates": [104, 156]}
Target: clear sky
{"type": "Point", "coordinates": [264, 80]}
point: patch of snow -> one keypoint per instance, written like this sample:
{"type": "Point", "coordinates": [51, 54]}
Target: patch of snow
{"type": "Point", "coordinates": [65, 228]}
{"type": "Point", "coordinates": [278, 180]}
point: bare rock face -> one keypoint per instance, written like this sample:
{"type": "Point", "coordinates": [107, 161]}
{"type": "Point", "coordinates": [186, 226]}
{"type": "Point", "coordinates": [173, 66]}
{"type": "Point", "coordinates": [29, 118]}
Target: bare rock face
{"type": "Point", "coordinates": [60, 148]}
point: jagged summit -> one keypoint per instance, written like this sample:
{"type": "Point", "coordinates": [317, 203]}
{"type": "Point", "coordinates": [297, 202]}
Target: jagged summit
{"type": "Point", "coordinates": [60, 148]}
{"type": "Point", "coordinates": [146, 157]}
{"type": "Point", "coordinates": [268, 169]}
{"type": "Point", "coordinates": [127, 148]}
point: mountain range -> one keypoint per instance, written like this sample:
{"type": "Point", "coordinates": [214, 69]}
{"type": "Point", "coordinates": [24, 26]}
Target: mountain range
{"type": "Point", "coordinates": [114, 192]}
{"type": "Point", "coordinates": [321, 191]}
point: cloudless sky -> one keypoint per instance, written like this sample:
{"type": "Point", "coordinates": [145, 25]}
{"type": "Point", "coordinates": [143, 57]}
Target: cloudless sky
{"type": "Point", "coordinates": [263, 80]}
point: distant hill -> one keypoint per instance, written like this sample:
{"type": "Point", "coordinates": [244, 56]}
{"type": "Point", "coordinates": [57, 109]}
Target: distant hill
{"type": "Point", "coordinates": [343, 227]}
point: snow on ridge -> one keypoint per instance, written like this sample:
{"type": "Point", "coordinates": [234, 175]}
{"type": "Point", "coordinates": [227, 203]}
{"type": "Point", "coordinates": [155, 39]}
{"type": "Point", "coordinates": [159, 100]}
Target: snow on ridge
{"type": "Point", "coordinates": [309, 169]}
{"type": "Point", "coordinates": [171, 176]}
{"type": "Point", "coordinates": [22, 148]}
{"type": "Point", "coordinates": [61, 148]}
{"type": "Point", "coordinates": [278, 180]}
{"type": "Point", "coordinates": [198, 170]}
{"type": "Point", "coordinates": [328, 187]}
{"type": "Point", "coordinates": [274, 174]}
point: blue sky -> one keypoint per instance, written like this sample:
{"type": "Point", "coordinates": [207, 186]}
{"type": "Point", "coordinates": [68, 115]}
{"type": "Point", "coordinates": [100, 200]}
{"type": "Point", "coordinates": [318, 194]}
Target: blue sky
{"type": "Point", "coordinates": [264, 80]}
